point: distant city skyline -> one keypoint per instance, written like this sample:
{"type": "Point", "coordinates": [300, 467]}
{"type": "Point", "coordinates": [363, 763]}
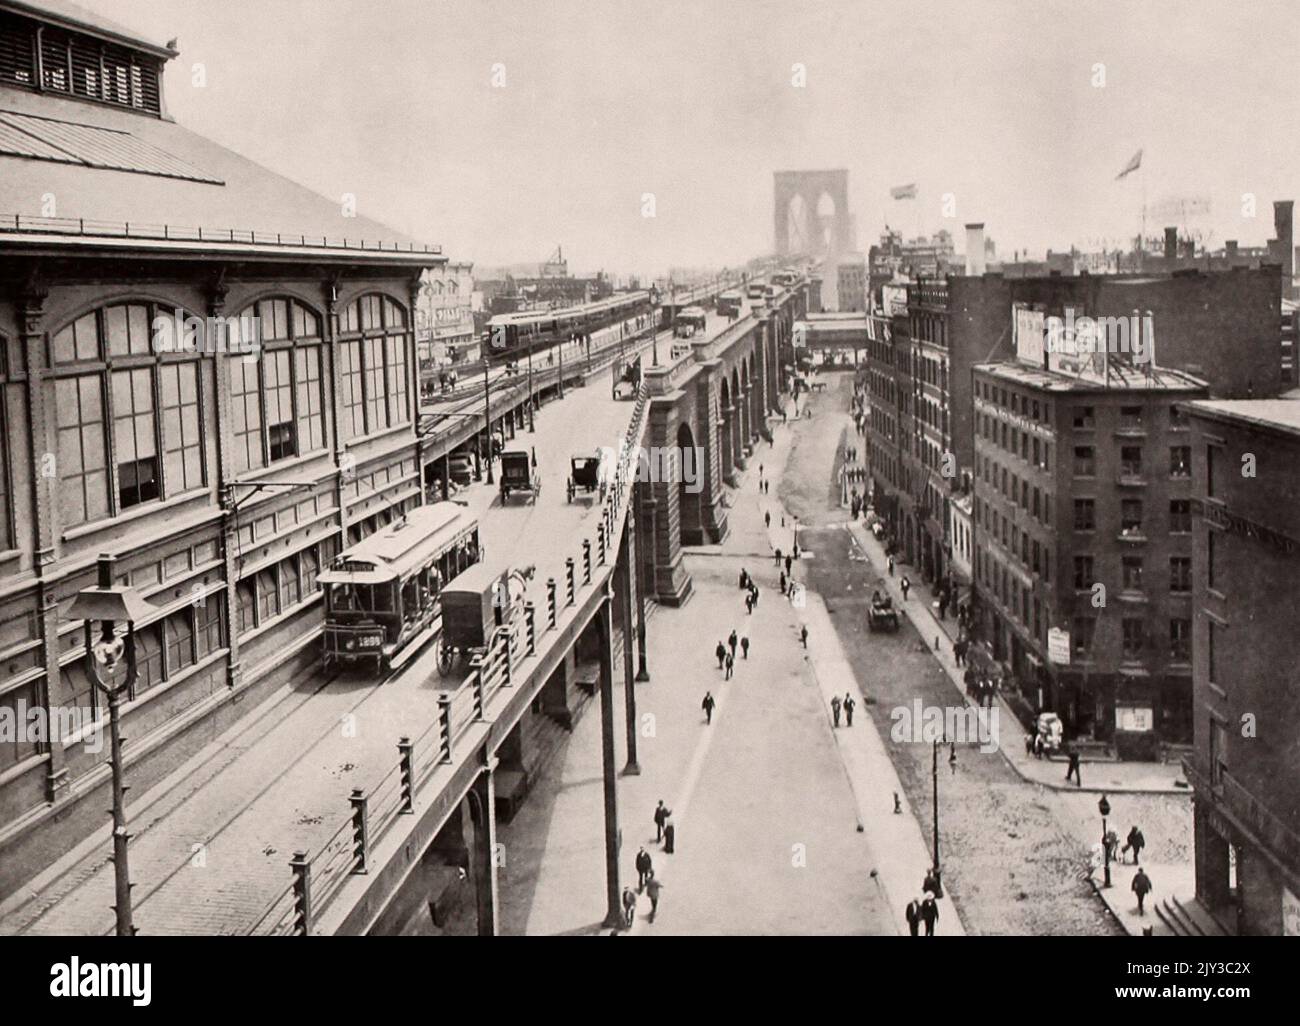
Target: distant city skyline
{"type": "Point", "coordinates": [430, 114]}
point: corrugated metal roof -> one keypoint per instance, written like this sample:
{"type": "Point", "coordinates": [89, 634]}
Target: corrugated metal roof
{"type": "Point", "coordinates": [71, 142]}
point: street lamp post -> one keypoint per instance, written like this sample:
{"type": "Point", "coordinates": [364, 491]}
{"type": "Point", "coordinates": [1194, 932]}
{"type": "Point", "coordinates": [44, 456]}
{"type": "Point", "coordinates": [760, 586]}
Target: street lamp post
{"type": "Point", "coordinates": [1103, 807]}
{"type": "Point", "coordinates": [107, 660]}
{"type": "Point", "coordinates": [531, 401]}
{"type": "Point", "coordinates": [487, 415]}
{"type": "Point", "coordinates": [936, 873]}
{"type": "Point", "coordinates": [654, 326]}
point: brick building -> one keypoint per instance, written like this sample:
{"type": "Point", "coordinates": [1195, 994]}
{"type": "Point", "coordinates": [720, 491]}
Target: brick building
{"type": "Point", "coordinates": [1246, 561]}
{"type": "Point", "coordinates": [113, 442]}
{"type": "Point", "coordinates": [1082, 526]}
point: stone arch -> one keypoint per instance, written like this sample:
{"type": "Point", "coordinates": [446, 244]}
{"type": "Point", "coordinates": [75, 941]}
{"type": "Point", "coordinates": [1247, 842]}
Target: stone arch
{"type": "Point", "coordinates": [690, 479]}
{"type": "Point", "coordinates": [726, 417]}
{"type": "Point", "coordinates": [739, 435]}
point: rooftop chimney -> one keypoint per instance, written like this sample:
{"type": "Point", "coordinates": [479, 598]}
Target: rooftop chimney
{"type": "Point", "coordinates": [1171, 243]}
{"type": "Point", "coordinates": [975, 248]}
{"type": "Point", "coordinates": [1282, 213]}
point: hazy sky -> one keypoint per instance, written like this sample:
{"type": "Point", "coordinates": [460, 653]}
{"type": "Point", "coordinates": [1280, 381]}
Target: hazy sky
{"type": "Point", "coordinates": [605, 100]}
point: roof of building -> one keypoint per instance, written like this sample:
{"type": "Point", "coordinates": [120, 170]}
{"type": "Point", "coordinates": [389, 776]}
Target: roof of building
{"type": "Point", "coordinates": [1121, 377]}
{"type": "Point", "coordinates": [74, 16]}
{"type": "Point", "coordinates": [1281, 415]}
{"type": "Point", "coordinates": [118, 173]}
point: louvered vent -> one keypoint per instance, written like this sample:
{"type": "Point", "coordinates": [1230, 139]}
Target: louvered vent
{"type": "Point", "coordinates": [17, 52]}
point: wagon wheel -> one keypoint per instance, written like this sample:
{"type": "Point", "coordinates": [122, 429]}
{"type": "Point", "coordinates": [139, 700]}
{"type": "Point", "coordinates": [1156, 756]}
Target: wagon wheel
{"type": "Point", "coordinates": [537, 489]}
{"type": "Point", "coordinates": [446, 657]}
{"type": "Point", "coordinates": [570, 489]}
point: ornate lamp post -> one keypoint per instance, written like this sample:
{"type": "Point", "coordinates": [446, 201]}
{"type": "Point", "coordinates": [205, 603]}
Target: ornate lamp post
{"type": "Point", "coordinates": [654, 327]}
{"type": "Point", "coordinates": [110, 663]}
{"type": "Point", "coordinates": [936, 873]}
{"type": "Point", "coordinates": [1103, 807]}
{"type": "Point", "coordinates": [487, 414]}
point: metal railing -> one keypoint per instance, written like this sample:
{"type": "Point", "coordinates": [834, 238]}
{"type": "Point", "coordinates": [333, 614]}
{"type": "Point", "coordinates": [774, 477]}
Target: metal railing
{"type": "Point", "coordinates": [91, 228]}
{"type": "Point", "coordinates": [511, 655]}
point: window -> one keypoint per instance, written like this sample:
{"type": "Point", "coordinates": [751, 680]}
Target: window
{"type": "Point", "coordinates": [1211, 470]}
{"type": "Point", "coordinates": [1084, 418]}
{"type": "Point", "coordinates": [1035, 452]}
{"type": "Point", "coordinates": [1180, 461]}
{"type": "Point", "coordinates": [148, 657]}
{"type": "Point", "coordinates": [1212, 663]}
{"type": "Point", "coordinates": [1038, 509]}
{"type": "Point", "coordinates": [182, 442]}
{"type": "Point", "coordinates": [208, 625]}
{"type": "Point", "coordinates": [134, 427]}
{"type": "Point", "coordinates": [1218, 755]}
{"type": "Point", "coordinates": [1084, 462]}
{"type": "Point", "coordinates": [1083, 578]}
{"type": "Point", "coordinates": [1130, 461]}
{"type": "Point", "coordinates": [180, 641]}
{"type": "Point", "coordinates": [1177, 418]}
{"type": "Point", "coordinates": [1134, 639]}
{"type": "Point", "coordinates": [1180, 573]}
{"type": "Point", "coordinates": [1213, 556]}
{"type": "Point", "coordinates": [1081, 635]}
{"type": "Point", "coordinates": [1130, 516]}
{"type": "Point", "coordinates": [1132, 566]}
{"type": "Point", "coordinates": [1084, 515]}
{"type": "Point", "coordinates": [244, 593]}
{"type": "Point", "coordinates": [278, 399]}
{"type": "Point", "coordinates": [246, 415]}
{"type": "Point", "coordinates": [268, 596]}
{"type": "Point", "coordinates": [1130, 417]}
{"type": "Point", "coordinates": [83, 456]}
{"type": "Point", "coordinates": [290, 585]}
{"type": "Point", "coordinates": [375, 367]}
{"type": "Point", "coordinates": [1180, 516]}
{"type": "Point", "coordinates": [1180, 640]}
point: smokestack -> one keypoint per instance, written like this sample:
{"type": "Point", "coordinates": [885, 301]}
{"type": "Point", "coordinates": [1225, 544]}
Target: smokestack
{"type": "Point", "coordinates": [1282, 214]}
{"type": "Point", "coordinates": [975, 248]}
{"type": "Point", "coordinates": [1171, 243]}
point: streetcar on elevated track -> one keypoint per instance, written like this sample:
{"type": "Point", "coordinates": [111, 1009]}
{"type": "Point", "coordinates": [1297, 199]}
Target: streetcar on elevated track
{"type": "Point", "coordinates": [730, 303]}
{"type": "Point", "coordinates": [382, 594]}
{"type": "Point", "coordinates": [510, 335]}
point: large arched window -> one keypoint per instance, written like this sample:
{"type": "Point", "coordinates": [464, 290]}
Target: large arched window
{"type": "Point", "coordinates": [277, 397]}
{"type": "Point", "coordinates": [128, 414]}
{"type": "Point", "coordinates": [372, 362]}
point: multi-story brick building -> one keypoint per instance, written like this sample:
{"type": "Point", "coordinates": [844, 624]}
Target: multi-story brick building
{"type": "Point", "coordinates": [1246, 561]}
{"type": "Point", "coordinates": [851, 283]}
{"type": "Point", "coordinates": [1082, 492]}
{"type": "Point", "coordinates": [444, 317]}
{"type": "Point", "coordinates": [116, 440]}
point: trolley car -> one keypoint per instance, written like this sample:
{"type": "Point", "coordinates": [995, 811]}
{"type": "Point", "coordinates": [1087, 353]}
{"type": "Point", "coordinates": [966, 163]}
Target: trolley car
{"type": "Point", "coordinates": [382, 594]}
{"type": "Point", "coordinates": [509, 335]}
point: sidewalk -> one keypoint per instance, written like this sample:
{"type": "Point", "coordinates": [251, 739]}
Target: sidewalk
{"type": "Point", "coordinates": [1103, 776]}
{"type": "Point", "coordinates": [1176, 883]}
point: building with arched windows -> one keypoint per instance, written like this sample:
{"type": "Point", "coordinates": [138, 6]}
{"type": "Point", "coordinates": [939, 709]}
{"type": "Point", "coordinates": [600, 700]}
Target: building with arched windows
{"type": "Point", "coordinates": [206, 371]}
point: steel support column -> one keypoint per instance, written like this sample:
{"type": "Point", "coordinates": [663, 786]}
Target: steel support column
{"type": "Point", "coordinates": [623, 575]}
{"type": "Point", "coordinates": [485, 844]}
{"type": "Point", "coordinates": [613, 893]}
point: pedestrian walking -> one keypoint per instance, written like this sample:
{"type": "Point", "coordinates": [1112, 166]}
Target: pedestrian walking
{"type": "Point", "coordinates": [744, 580]}
{"type": "Point", "coordinates": [708, 703]}
{"type": "Point", "coordinates": [849, 706]}
{"type": "Point", "coordinates": [744, 647]}
{"type": "Point", "coordinates": [778, 554]}
{"type": "Point", "coordinates": [732, 641]}
{"type": "Point", "coordinates": [929, 914]}
{"type": "Point", "coordinates": [629, 906]}
{"type": "Point", "coordinates": [1142, 886]}
{"type": "Point", "coordinates": [835, 708]}
{"type": "Point", "coordinates": [803, 635]}
{"type": "Point", "coordinates": [670, 835]}
{"type": "Point", "coordinates": [749, 604]}
{"type": "Point", "coordinates": [905, 584]}
{"type": "Point", "coordinates": [1073, 770]}
{"type": "Point", "coordinates": [1038, 746]}
{"type": "Point", "coordinates": [1137, 842]}
{"type": "Point", "coordinates": [644, 869]}
{"type": "Point", "coordinates": [653, 888]}
{"type": "Point", "coordinates": [913, 916]}
{"type": "Point", "coordinates": [891, 566]}
{"type": "Point", "coordinates": [721, 653]}
{"type": "Point", "coordinates": [782, 582]}
{"type": "Point", "coordinates": [789, 561]}
{"type": "Point", "coordinates": [661, 815]}
{"type": "Point", "coordinates": [767, 519]}
{"type": "Point", "coordinates": [731, 663]}
{"type": "Point", "coordinates": [753, 591]}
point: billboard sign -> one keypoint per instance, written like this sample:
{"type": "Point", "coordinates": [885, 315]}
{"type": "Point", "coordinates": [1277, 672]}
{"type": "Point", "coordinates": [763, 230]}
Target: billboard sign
{"type": "Point", "coordinates": [1028, 326]}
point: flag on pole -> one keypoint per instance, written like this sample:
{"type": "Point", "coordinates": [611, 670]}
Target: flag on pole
{"type": "Point", "coordinates": [1131, 166]}
{"type": "Point", "coordinates": [904, 191]}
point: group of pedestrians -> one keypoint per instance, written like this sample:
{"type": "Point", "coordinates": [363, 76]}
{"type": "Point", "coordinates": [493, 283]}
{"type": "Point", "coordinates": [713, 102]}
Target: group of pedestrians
{"type": "Point", "coordinates": [846, 705]}
{"type": "Point", "coordinates": [646, 881]}
{"type": "Point", "coordinates": [922, 910]}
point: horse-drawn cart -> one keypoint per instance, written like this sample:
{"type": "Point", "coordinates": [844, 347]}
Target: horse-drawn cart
{"type": "Point", "coordinates": [474, 605]}
{"type": "Point", "coordinates": [588, 474]}
{"type": "Point", "coordinates": [518, 474]}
